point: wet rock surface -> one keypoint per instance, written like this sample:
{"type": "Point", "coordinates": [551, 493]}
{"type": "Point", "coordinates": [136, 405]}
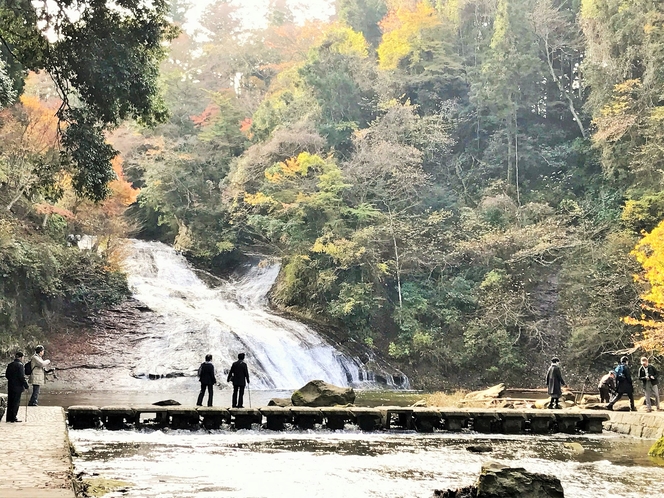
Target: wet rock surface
{"type": "Point", "coordinates": [499, 481]}
{"type": "Point", "coordinates": [100, 353]}
{"type": "Point", "coordinates": [281, 402]}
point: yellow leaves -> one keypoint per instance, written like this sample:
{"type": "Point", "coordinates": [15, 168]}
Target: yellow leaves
{"type": "Point", "coordinates": [258, 199]}
{"type": "Point", "coordinates": [618, 116]}
{"type": "Point", "coordinates": [293, 167]}
{"type": "Point", "coordinates": [589, 9]}
{"type": "Point", "coordinates": [347, 41]}
{"type": "Point", "coordinates": [657, 113]}
{"type": "Point", "coordinates": [649, 252]}
{"type": "Point", "coordinates": [343, 251]}
{"type": "Point", "coordinates": [500, 25]}
{"type": "Point", "coordinates": [402, 30]}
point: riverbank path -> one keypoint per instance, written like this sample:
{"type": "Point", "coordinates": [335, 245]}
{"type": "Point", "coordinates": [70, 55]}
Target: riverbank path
{"type": "Point", "coordinates": [34, 455]}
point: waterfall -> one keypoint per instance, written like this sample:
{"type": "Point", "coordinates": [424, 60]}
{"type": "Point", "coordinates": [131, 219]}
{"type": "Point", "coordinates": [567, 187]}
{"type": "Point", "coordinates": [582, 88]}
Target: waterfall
{"type": "Point", "coordinates": [224, 321]}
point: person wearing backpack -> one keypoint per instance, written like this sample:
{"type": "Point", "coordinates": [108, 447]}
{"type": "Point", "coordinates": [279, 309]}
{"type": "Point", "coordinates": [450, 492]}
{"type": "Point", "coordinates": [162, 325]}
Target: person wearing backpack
{"type": "Point", "coordinates": [37, 374]}
{"type": "Point", "coordinates": [623, 384]}
{"type": "Point", "coordinates": [648, 375]}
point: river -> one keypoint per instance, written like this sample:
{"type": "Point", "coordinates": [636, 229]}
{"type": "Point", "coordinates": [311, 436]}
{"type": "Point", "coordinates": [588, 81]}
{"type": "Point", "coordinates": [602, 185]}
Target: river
{"type": "Point", "coordinates": [189, 318]}
{"type": "Point", "coordinates": [260, 463]}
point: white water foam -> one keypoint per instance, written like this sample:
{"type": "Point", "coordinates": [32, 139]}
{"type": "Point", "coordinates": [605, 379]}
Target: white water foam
{"type": "Point", "coordinates": [225, 321]}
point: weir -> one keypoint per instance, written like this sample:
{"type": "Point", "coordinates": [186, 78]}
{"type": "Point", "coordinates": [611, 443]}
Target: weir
{"type": "Point", "coordinates": [228, 319]}
{"type": "Point", "coordinates": [367, 419]}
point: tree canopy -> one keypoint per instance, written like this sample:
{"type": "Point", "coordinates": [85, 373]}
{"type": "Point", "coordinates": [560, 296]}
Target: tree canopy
{"type": "Point", "coordinates": [104, 60]}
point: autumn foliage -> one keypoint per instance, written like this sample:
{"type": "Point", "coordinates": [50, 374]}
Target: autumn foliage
{"type": "Point", "coordinates": [649, 252]}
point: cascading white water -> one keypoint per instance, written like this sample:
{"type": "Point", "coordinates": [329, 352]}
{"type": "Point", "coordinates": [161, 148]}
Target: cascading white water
{"type": "Point", "coordinates": [225, 321]}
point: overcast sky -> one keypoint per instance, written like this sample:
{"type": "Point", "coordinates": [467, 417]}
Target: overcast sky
{"type": "Point", "coordinates": [253, 11]}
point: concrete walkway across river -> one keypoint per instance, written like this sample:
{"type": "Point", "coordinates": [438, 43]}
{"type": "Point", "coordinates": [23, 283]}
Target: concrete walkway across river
{"type": "Point", "coordinates": [423, 419]}
{"type": "Point", "coordinates": [35, 461]}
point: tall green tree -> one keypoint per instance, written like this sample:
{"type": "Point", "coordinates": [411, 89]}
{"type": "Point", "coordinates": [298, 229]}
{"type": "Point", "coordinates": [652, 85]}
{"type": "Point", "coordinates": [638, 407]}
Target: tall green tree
{"type": "Point", "coordinates": [105, 63]}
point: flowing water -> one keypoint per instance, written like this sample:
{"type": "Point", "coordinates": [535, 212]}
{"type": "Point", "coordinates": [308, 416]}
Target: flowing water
{"type": "Point", "coordinates": [224, 321]}
{"type": "Point", "coordinates": [193, 319]}
{"type": "Point", "coordinates": [350, 464]}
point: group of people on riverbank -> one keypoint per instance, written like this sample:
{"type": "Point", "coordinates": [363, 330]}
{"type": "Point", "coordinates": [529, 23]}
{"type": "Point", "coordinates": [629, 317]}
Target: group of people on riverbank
{"type": "Point", "coordinates": [612, 386]}
{"type": "Point", "coordinates": [16, 374]}
{"type": "Point", "coordinates": [238, 375]}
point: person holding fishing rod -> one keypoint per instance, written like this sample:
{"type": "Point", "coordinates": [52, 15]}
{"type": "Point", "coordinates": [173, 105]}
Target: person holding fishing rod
{"type": "Point", "coordinates": [239, 375]}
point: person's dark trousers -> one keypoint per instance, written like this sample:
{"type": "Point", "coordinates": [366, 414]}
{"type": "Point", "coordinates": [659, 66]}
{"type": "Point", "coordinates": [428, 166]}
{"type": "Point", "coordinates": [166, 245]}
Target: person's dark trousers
{"type": "Point", "coordinates": [554, 401]}
{"type": "Point", "coordinates": [604, 395]}
{"type": "Point", "coordinates": [13, 402]}
{"type": "Point", "coordinates": [35, 395]}
{"type": "Point", "coordinates": [238, 396]}
{"type": "Point", "coordinates": [617, 397]}
{"type": "Point", "coordinates": [202, 393]}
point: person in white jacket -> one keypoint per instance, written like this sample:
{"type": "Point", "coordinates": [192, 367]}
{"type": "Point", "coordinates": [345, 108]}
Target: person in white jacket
{"type": "Point", "coordinates": [37, 377]}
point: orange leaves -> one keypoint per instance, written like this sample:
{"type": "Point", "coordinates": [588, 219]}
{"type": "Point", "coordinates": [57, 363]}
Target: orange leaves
{"type": "Point", "coordinates": [207, 116]}
{"type": "Point", "coordinates": [41, 123]}
{"type": "Point", "coordinates": [43, 208]}
{"type": "Point", "coordinates": [122, 191]}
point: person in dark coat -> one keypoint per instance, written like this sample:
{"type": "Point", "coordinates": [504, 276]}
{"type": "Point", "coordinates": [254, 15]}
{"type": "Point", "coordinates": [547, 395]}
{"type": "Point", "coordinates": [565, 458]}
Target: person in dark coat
{"type": "Point", "coordinates": [648, 375]}
{"type": "Point", "coordinates": [239, 375]}
{"type": "Point", "coordinates": [607, 386]}
{"type": "Point", "coordinates": [16, 384]}
{"type": "Point", "coordinates": [623, 384]}
{"type": "Point", "coordinates": [207, 378]}
{"type": "Point", "coordinates": [554, 382]}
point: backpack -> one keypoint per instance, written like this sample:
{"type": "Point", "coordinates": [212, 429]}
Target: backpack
{"type": "Point", "coordinates": [620, 373]}
{"type": "Point", "coordinates": [28, 368]}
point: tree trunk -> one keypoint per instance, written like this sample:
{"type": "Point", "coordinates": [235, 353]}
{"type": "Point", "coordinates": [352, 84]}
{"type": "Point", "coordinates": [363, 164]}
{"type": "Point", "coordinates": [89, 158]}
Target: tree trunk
{"type": "Point", "coordinates": [568, 96]}
{"type": "Point", "coordinates": [396, 257]}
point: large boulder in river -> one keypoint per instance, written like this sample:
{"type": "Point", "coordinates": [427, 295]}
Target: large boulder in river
{"type": "Point", "coordinates": [499, 481]}
{"type": "Point", "coordinates": [320, 393]}
{"type": "Point", "coordinates": [487, 394]}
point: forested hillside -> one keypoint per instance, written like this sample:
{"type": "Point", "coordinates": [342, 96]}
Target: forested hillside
{"type": "Point", "coordinates": [458, 184]}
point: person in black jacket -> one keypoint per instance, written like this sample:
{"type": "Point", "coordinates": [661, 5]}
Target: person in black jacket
{"type": "Point", "coordinates": [554, 382]}
{"type": "Point", "coordinates": [207, 378]}
{"type": "Point", "coordinates": [239, 375]}
{"type": "Point", "coordinates": [623, 384]}
{"type": "Point", "coordinates": [16, 384]}
{"type": "Point", "coordinates": [648, 375]}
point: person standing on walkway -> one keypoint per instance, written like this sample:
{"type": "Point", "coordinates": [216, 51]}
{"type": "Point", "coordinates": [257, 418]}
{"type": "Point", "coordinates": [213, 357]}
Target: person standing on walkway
{"type": "Point", "coordinates": [554, 382]}
{"type": "Point", "coordinates": [648, 375]}
{"type": "Point", "coordinates": [239, 375]}
{"type": "Point", "coordinates": [607, 386]}
{"type": "Point", "coordinates": [16, 384]}
{"type": "Point", "coordinates": [37, 376]}
{"type": "Point", "coordinates": [207, 378]}
{"type": "Point", "coordinates": [623, 384]}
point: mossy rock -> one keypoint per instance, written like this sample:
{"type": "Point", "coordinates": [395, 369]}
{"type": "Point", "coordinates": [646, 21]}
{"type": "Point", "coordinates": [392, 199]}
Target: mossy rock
{"type": "Point", "coordinates": [657, 449]}
{"type": "Point", "coordinates": [97, 486]}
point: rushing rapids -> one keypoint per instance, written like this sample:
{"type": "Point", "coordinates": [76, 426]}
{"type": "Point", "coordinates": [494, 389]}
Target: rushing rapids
{"type": "Point", "coordinates": [224, 321]}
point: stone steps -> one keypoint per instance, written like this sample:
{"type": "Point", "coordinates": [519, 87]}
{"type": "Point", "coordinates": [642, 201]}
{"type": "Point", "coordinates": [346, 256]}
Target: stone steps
{"type": "Point", "coordinates": [276, 418]}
